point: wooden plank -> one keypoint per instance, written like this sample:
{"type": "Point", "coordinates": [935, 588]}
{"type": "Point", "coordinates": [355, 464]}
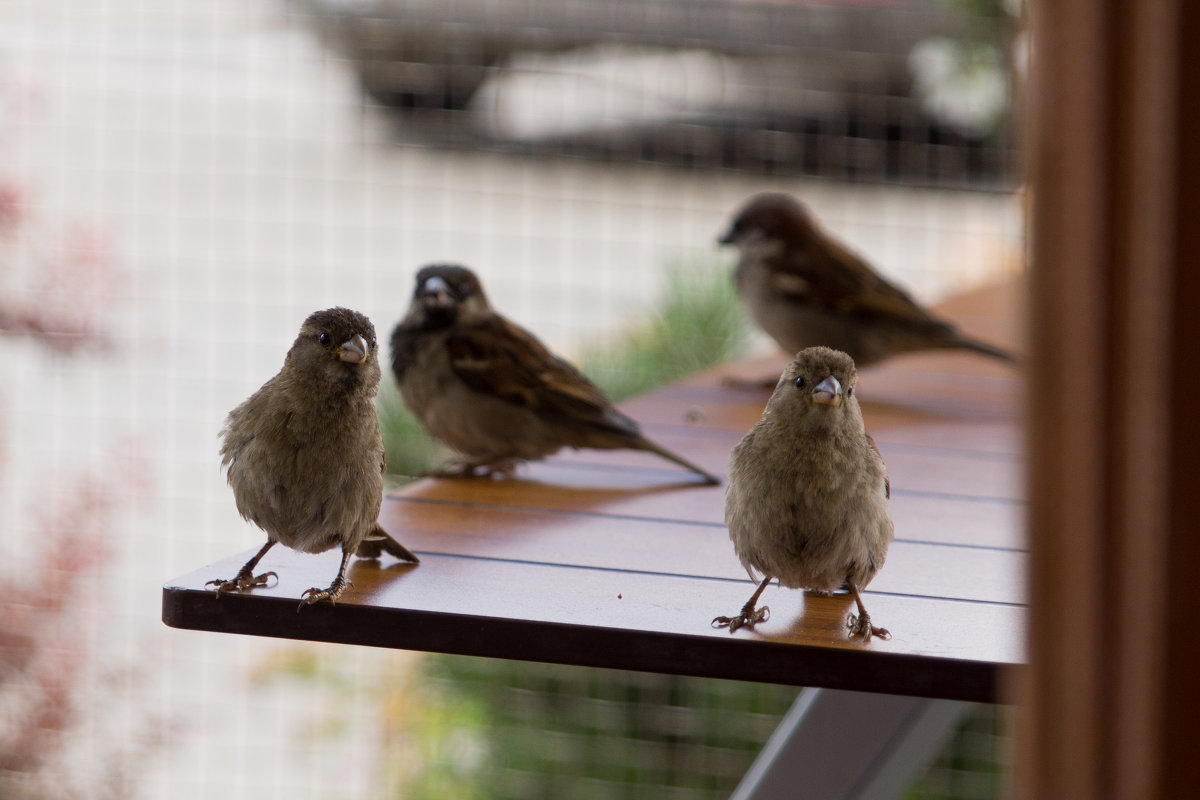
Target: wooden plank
{"type": "Point", "coordinates": [610, 483]}
{"type": "Point", "coordinates": [958, 521]}
{"type": "Point", "coordinates": [967, 522]}
{"type": "Point", "coordinates": [1000, 306]}
{"type": "Point", "coordinates": [612, 618]}
{"type": "Point", "coordinates": [596, 541]}
{"type": "Point", "coordinates": [917, 467]}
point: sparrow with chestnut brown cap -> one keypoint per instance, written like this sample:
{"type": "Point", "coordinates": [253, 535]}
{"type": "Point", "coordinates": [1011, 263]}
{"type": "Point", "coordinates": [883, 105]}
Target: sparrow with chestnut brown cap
{"type": "Point", "coordinates": [807, 500]}
{"type": "Point", "coordinates": [489, 389]}
{"type": "Point", "coordinates": [304, 453]}
{"type": "Point", "coordinates": [804, 288]}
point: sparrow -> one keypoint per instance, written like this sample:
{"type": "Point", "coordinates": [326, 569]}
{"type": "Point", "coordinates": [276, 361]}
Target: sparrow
{"type": "Point", "coordinates": [805, 288]}
{"type": "Point", "coordinates": [304, 454]}
{"type": "Point", "coordinates": [807, 500]}
{"type": "Point", "coordinates": [490, 390]}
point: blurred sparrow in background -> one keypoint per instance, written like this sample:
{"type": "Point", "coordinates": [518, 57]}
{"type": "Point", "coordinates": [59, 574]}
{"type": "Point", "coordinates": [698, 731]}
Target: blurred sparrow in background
{"type": "Point", "coordinates": [805, 288]}
{"type": "Point", "coordinates": [491, 390]}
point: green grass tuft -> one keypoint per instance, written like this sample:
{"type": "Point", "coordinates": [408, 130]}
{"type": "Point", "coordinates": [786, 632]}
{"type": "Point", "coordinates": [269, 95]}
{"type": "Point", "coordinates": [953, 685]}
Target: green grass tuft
{"type": "Point", "coordinates": [700, 325]}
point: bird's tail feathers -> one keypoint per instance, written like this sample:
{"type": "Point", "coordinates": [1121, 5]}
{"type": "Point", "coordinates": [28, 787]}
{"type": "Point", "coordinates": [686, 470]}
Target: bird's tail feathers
{"type": "Point", "coordinates": [985, 349]}
{"type": "Point", "coordinates": [709, 478]}
{"type": "Point", "coordinates": [379, 541]}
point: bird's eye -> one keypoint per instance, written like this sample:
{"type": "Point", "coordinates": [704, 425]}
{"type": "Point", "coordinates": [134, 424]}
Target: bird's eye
{"type": "Point", "coordinates": [800, 382]}
{"type": "Point", "coordinates": [324, 339]}
{"type": "Point", "coordinates": [372, 343]}
{"type": "Point", "coordinates": [850, 392]}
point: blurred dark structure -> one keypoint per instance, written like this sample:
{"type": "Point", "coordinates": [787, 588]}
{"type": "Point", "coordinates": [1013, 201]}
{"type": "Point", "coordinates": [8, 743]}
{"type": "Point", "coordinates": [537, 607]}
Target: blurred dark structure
{"type": "Point", "coordinates": [914, 91]}
{"type": "Point", "coordinates": [550, 731]}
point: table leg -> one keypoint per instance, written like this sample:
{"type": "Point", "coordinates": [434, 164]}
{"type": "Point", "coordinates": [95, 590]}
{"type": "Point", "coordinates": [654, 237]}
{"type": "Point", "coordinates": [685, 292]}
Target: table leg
{"type": "Point", "coordinates": [837, 744]}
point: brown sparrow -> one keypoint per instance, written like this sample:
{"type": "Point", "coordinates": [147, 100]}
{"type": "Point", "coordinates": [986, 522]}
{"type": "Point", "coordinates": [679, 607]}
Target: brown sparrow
{"type": "Point", "coordinates": [807, 500]}
{"type": "Point", "coordinates": [489, 389]}
{"type": "Point", "coordinates": [804, 288]}
{"type": "Point", "coordinates": [304, 454]}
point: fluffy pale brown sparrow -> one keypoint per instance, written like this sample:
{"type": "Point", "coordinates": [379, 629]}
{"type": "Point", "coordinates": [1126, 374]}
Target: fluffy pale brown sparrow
{"type": "Point", "coordinates": [491, 390]}
{"type": "Point", "coordinates": [304, 454]}
{"type": "Point", "coordinates": [804, 288]}
{"type": "Point", "coordinates": [807, 500]}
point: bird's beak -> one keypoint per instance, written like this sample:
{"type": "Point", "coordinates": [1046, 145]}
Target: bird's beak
{"type": "Point", "coordinates": [435, 293]}
{"type": "Point", "coordinates": [354, 350]}
{"type": "Point", "coordinates": [728, 237]}
{"type": "Point", "coordinates": [828, 392]}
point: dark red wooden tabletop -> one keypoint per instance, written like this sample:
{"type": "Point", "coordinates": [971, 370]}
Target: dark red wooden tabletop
{"type": "Point", "coordinates": [619, 559]}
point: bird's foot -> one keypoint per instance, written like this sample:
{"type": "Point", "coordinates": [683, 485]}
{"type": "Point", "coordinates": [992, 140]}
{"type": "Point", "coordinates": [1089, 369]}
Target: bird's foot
{"type": "Point", "coordinates": [241, 582]}
{"type": "Point", "coordinates": [747, 619]}
{"type": "Point", "coordinates": [860, 627]}
{"type": "Point", "coordinates": [502, 468]}
{"type": "Point", "coordinates": [315, 595]}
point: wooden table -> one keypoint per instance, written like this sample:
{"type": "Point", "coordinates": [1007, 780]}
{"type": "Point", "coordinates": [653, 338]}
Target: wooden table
{"type": "Point", "coordinates": [618, 559]}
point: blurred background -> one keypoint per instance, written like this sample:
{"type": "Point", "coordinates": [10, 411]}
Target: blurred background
{"type": "Point", "coordinates": [181, 183]}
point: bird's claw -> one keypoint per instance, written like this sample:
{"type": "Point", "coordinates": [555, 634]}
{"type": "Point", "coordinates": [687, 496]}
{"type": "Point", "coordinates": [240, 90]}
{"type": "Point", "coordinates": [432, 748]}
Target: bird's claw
{"type": "Point", "coordinates": [861, 628]}
{"type": "Point", "coordinates": [748, 619]}
{"type": "Point", "coordinates": [240, 582]}
{"type": "Point", "coordinates": [315, 595]}
{"type": "Point", "coordinates": [503, 468]}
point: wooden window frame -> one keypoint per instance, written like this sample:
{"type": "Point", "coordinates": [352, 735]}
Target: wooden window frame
{"type": "Point", "coordinates": [1111, 699]}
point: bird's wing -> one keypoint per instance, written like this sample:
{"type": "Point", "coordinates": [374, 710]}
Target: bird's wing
{"type": "Point", "coordinates": [233, 447]}
{"type": "Point", "coordinates": [887, 482]}
{"type": "Point", "coordinates": [834, 278]}
{"type": "Point", "coordinates": [404, 343]}
{"type": "Point", "coordinates": [241, 427]}
{"type": "Point", "coordinates": [503, 360]}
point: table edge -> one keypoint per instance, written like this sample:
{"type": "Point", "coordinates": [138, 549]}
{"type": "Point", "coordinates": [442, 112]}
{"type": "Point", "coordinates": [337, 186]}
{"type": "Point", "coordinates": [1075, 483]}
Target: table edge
{"type": "Point", "coordinates": [755, 660]}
